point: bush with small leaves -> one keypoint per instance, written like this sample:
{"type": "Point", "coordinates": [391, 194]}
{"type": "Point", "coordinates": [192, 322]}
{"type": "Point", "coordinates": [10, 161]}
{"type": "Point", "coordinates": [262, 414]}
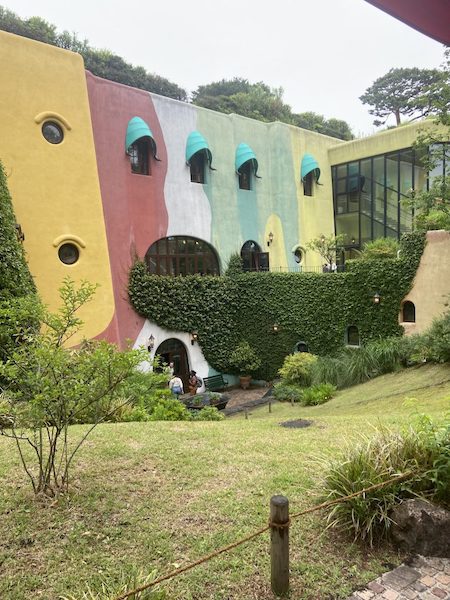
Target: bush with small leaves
{"type": "Point", "coordinates": [207, 413]}
{"type": "Point", "coordinates": [169, 409]}
{"type": "Point", "coordinates": [317, 394]}
{"type": "Point", "coordinates": [380, 248]}
{"type": "Point", "coordinates": [284, 392]}
{"type": "Point", "coordinates": [297, 368]}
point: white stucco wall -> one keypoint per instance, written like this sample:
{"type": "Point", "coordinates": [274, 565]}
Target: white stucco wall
{"type": "Point", "coordinates": [187, 204]}
{"type": "Point", "coordinates": [195, 356]}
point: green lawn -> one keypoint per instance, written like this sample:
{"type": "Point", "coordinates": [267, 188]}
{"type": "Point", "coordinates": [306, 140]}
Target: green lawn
{"type": "Point", "coordinates": [158, 495]}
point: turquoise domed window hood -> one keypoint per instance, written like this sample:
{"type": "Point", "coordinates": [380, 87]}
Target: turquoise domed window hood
{"type": "Point", "coordinates": [244, 154]}
{"type": "Point", "coordinates": [309, 163]}
{"type": "Point", "coordinates": [136, 130]}
{"type": "Point", "coordinates": [197, 143]}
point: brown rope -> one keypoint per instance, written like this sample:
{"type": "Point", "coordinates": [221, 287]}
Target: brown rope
{"type": "Point", "coordinates": [259, 532]}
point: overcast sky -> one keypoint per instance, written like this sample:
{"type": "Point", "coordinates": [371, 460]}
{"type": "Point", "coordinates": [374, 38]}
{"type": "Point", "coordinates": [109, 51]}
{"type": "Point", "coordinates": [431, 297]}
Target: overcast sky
{"type": "Point", "coordinates": [323, 53]}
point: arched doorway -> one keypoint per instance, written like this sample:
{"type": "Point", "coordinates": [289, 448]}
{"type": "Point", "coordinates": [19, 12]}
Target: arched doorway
{"type": "Point", "coordinates": [172, 350]}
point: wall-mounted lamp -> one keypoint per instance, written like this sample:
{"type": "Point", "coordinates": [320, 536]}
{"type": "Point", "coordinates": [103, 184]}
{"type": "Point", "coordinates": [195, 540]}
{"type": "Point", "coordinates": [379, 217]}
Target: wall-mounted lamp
{"type": "Point", "coordinates": [20, 234]}
{"type": "Point", "coordinates": [194, 337]}
{"type": "Point", "coordinates": [376, 298]}
{"type": "Point", "coordinates": [275, 328]}
{"type": "Point", "coordinates": [270, 239]}
{"type": "Point", "coordinates": [150, 343]}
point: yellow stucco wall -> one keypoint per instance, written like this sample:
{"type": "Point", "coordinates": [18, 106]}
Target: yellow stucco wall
{"type": "Point", "coordinates": [54, 187]}
{"type": "Point", "coordinates": [316, 216]}
{"type": "Point", "coordinates": [431, 289]}
{"type": "Point", "coordinates": [385, 141]}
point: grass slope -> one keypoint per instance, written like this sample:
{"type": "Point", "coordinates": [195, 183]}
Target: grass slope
{"type": "Point", "coordinates": [158, 495]}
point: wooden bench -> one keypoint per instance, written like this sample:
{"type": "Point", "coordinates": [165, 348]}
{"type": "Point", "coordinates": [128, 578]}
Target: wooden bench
{"type": "Point", "coordinates": [215, 382]}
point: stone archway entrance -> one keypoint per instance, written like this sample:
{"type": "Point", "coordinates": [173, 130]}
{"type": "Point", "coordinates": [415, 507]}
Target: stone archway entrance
{"type": "Point", "coordinates": [172, 350]}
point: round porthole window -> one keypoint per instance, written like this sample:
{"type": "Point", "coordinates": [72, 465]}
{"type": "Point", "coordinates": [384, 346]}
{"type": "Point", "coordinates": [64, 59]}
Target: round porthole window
{"type": "Point", "coordinates": [68, 254]}
{"type": "Point", "coordinates": [298, 255]}
{"type": "Point", "coordinates": [52, 132]}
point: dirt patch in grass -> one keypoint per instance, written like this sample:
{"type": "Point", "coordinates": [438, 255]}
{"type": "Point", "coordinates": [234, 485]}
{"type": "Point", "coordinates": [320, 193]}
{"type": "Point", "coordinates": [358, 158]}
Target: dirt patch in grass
{"type": "Point", "coordinates": [296, 423]}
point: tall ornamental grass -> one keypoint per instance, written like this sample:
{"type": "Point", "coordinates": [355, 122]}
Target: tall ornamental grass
{"type": "Point", "coordinates": [422, 450]}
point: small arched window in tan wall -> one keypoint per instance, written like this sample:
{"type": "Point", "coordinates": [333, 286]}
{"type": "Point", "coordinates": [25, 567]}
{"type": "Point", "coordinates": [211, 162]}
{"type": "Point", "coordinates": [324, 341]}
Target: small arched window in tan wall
{"type": "Point", "coordinates": [408, 312]}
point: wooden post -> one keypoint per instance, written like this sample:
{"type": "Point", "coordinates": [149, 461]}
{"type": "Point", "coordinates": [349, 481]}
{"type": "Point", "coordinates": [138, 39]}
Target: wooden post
{"type": "Point", "coordinates": [279, 545]}
{"type": "Point", "coordinates": [270, 406]}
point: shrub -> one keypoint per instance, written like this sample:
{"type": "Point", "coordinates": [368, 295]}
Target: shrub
{"type": "Point", "coordinates": [436, 340]}
{"type": "Point", "coordinates": [423, 450]}
{"type": "Point", "coordinates": [208, 413]}
{"type": "Point", "coordinates": [381, 248]}
{"type": "Point", "coordinates": [435, 219]}
{"type": "Point", "coordinates": [244, 359]}
{"type": "Point", "coordinates": [235, 265]}
{"type": "Point", "coordinates": [317, 394]}
{"type": "Point", "coordinates": [297, 368]}
{"type": "Point", "coordinates": [169, 409]}
{"type": "Point", "coordinates": [284, 392]}
{"type": "Point", "coordinates": [48, 387]}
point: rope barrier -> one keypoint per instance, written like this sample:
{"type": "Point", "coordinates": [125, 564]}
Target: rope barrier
{"type": "Point", "coordinates": [249, 537]}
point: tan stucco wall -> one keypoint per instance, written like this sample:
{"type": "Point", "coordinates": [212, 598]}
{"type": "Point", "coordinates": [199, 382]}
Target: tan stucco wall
{"type": "Point", "coordinates": [431, 288]}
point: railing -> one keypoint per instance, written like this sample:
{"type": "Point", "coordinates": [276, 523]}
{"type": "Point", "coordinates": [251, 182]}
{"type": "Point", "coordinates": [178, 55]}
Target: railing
{"type": "Point", "coordinates": [305, 269]}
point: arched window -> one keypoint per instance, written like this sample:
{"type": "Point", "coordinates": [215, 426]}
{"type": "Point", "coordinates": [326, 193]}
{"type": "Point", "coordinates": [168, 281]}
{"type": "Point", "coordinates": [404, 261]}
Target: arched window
{"type": "Point", "coordinates": [197, 165]}
{"type": "Point", "coordinates": [198, 156]}
{"type": "Point", "coordinates": [352, 336]}
{"type": "Point", "coordinates": [408, 312]}
{"type": "Point", "coordinates": [178, 255]}
{"type": "Point", "coordinates": [252, 257]}
{"type": "Point", "coordinates": [140, 146]}
{"type": "Point", "coordinates": [139, 153]}
{"type": "Point", "coordinates": [245, 176]}
{"type": "Point", "coordinates": [246, 166]}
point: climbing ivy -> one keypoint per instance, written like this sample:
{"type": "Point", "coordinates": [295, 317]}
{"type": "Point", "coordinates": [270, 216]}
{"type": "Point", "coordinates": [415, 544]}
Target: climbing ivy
{"type": "Point", "coordinates": [313, 307]}
{"type": "Point", "coordinates": [15, 277]}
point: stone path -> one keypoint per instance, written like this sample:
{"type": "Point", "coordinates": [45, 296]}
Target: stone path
{"type": "Point", "coordinates": [424, 578]}
{"type": "Point", "coordinates": [242, 399]}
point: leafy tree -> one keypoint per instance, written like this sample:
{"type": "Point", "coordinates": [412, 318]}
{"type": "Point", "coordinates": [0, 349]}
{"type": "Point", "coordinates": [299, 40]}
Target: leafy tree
{"type": "Point", "coordinates": [261, 102]}
{"type": "Point", "coordinates": [338, 128]}
{"type": "Point", "coordinates": [327, 246]}
{"type": "Point", "coordinates": [432, 206]}
{"type": "Point", "coordinates": [253, 100]}
{"type": "Point", "coordinates": [45, 387]}
{"type": "Point", "coordinates": [224, 87]}
{"type": "Point", "coordinates": [410, 92]}
{"type": "Point", "coordinates": [314, 122]}
{"type": "Point", "coordinates": [102, 63]}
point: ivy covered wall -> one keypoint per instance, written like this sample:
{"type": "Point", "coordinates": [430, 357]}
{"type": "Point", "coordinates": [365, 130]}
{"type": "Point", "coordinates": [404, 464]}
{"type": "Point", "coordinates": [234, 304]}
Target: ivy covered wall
{"type": "Point", "coordinates": [313, 307]}
{"type": "Point", "coordinates": [15, 277]}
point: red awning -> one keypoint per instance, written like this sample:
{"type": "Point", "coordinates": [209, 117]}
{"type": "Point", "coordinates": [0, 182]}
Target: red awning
{"type": "Point", "coordinates": [431, 17]}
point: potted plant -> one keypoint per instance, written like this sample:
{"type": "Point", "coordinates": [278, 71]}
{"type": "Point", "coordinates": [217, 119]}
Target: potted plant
{"type": "Point", "coordinates": [245, 360]}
